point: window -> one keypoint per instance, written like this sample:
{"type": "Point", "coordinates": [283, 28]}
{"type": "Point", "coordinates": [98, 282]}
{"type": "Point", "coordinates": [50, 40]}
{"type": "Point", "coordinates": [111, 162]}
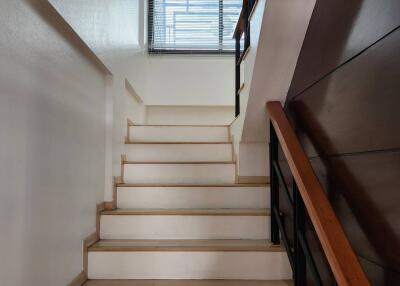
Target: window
{"type": "Point", "coordinates": [192, 26]}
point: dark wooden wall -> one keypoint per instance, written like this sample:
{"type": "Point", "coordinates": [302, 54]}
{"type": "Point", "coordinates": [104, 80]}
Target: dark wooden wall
{"type": "Point", "coordinates": [344, 102]}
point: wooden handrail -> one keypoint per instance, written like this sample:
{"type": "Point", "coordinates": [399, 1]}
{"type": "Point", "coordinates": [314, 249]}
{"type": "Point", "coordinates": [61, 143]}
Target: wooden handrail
{"type": "Point", "coordinates": [341, 257]}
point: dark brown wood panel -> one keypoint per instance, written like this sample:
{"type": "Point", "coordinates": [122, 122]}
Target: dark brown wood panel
{"type": "Point", "coordinates": [344, 103]}
{"type": "Point", "coordinates": [364, 190]}
{"type": "Point", "coordinates": [356, 108]}
{"type": "Point", "coordinates": [339, 30]}
{"type": "Point", "coordinates": [380, 276]}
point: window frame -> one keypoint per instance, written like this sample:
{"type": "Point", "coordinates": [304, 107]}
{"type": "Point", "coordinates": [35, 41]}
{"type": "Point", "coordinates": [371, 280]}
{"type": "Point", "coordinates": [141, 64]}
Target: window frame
{"type": "Point", "coordinates": [155, 51]}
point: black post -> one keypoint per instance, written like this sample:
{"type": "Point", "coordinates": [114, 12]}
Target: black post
{"type": "Point", "coordinates": [300, 275]}
{"type": "Point", "coordinates": [246, 16]}
{"type": "Point", "coordinates": [221, 24]}
{"type": "Point", "coordinates": [274, 181]}
{"type": "Point", "coordinates": [237, 76]}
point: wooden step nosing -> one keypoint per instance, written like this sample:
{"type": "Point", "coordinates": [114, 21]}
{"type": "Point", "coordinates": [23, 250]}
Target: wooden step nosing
{"type": "Point", "coordinates": [179, 125]}
{"type": "Point", "coordinates": [180, 163]}
{"type": "Point", "coordinates": [255, 185]}
{"type": "Point", "coordinates": [193, 246]}
{"type": "Point", "coordinates": [178, 142]}
{"type": "Point", "coordinates": [185, 249]}
{"type": "Point", "coordinates": [186, 212]}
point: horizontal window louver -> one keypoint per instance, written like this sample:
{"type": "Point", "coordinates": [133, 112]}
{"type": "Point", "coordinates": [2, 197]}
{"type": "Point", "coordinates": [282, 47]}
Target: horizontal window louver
{"type": "Point", "coordinates": [192, 26]}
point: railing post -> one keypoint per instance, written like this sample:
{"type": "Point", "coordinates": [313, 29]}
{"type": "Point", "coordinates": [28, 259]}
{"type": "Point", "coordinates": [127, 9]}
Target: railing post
{"type": "Point", "coordinates": [274, 184]}
{"type": "Point", "coordinates": [247, 27]}
{"type": "Point", "coordinates": [237, 76]}
{"type": "Point", "coordinates": [300, 278]}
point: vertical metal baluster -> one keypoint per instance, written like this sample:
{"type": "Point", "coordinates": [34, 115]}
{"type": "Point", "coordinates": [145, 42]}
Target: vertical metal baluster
{"type": "Point", "coordinates": [274, 185]}
{"type": "Point", "coordinates": [300, 275]}
{"type": "Point", "coordinates": [237, 76]}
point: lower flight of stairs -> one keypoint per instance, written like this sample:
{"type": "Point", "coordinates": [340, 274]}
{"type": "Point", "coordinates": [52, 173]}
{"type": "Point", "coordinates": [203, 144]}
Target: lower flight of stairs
{"type": "Point", "coordinates": [180, 215]}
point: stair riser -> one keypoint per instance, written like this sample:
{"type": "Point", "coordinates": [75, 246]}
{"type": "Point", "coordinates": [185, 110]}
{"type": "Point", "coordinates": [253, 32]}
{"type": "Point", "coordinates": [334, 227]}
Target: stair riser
{"type": "Point", "coordinates": [179, 173]}
{"type": "Point", "coordinates": [189, 265]}
{"type": "Point", "coordinates": [184, 227]}
{"type": "Point", "coordinates": [193, 197]}
{"type": "Point", "coordinates": [178, 134]}
{"type": "Point", "coordinates": [179, 152]}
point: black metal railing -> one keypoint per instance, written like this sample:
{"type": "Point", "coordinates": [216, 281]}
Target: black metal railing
{"type": "Point", "coordinates": [242, 38]}
{"type": "Point", "coordinates": [297, 249]}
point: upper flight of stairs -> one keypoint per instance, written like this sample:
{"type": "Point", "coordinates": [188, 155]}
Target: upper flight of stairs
{"type": "Point", "coordinates": [181, 215]}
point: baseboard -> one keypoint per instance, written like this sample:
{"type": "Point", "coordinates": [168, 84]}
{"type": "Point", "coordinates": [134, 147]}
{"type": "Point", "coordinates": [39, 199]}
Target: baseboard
{"type": "Point", "coordinates": [253, 179]}
{"type": "Point", "coordinates": [99, 208]}
{"type": "Point", "coordinates": [88, 242]}
{"type": "Point", "coordinates": [82, 277]}
{"type": "Point", "coordinates": [113, 205]}
{"type": "Point", "coordinates": [79, 280]}
{"type": "Point", "coordinates": [109, 206]}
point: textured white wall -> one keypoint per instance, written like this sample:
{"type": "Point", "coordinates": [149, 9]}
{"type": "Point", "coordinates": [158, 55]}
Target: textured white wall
{"type": "Point", "coordinates": [106, 26]}
{"type": "Point", "coordinates": [52, 148]}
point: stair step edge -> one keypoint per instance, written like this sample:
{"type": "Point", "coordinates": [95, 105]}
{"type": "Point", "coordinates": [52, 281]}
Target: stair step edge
{"type": "Point", "coordinates": [181, 162]}
{"type": "Point", "coordinates": [190, 212]}
{"type": "Point", "coordinates": [177, 142]}
{"type": "Point", "coordinates": [192, 185]}
{"type": "Point", "coordinates": [129, 245]}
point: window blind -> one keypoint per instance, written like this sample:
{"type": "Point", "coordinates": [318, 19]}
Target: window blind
{"type": "Point", "coordinates": [192, 26]}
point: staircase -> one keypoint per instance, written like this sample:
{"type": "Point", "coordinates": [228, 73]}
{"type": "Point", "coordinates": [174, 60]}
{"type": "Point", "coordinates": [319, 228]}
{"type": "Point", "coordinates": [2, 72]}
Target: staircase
{"type": "Point", "coordinates": [181, 215]}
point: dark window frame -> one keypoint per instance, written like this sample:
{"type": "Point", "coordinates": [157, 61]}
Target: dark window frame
{"type": "Point", "coordinates": [155, 51]}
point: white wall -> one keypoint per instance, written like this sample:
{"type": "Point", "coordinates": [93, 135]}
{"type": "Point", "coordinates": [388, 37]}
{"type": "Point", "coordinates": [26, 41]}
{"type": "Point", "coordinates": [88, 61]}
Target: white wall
{"type": "Point", "coordinates": [191, 115]}
{"type": "Point", "coordinates": [106, 26]}
{"type": "Point", "coordinates": [116, 32]}
{"type": "Point", "coordinates": [190, 80]}
{"type": "Point", "coordinates": [277, 36]}
{"type": "Point", "coordinates": [52, 147]}
{"type": "Point", "coordinates": [252, 157]}
{"type": "Point", "coordinates": [284, 27]}
{"type": "Point", "coordinates": [135, 109]}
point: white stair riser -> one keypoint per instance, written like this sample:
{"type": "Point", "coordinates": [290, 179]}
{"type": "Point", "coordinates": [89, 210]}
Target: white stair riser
{"type": "Point", "coordinates": [178, 134]}
{"type": "Point", "coordinates": [183, 227]}
{"type": "Point", "coordinates": [179, 152]}
{"type": "Point", "coordinates": [193, 197]}
{"type": "Point", "coordinates": [179, 173]}
{"type": "Point", "coordinates": [189, 265]}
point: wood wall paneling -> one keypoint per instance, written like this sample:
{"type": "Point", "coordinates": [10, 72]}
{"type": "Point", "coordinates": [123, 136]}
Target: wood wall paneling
{"type": "Point", "coordinates": [344, 104]}
{"type": "Point", "coordinates": [339, 30]}
{"type": "Point", "coordinates": [339, 114]}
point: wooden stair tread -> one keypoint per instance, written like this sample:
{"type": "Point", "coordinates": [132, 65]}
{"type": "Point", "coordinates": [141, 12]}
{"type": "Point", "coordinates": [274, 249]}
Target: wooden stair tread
{"type": "Point", "coordinates": [180, 162]}
{"type": "Point", "coordinates": [188, 283]}
{"type": "Point", "coordinates": [177, 142]}
{"type": "Point", "coordinates": [185, 245]}
{"type": "Point", "coordinates": [193, 212]}
{"type": "Point", "coordinates": [177, 125]}
{"type": "Point", "coordinates": [193, 185]}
